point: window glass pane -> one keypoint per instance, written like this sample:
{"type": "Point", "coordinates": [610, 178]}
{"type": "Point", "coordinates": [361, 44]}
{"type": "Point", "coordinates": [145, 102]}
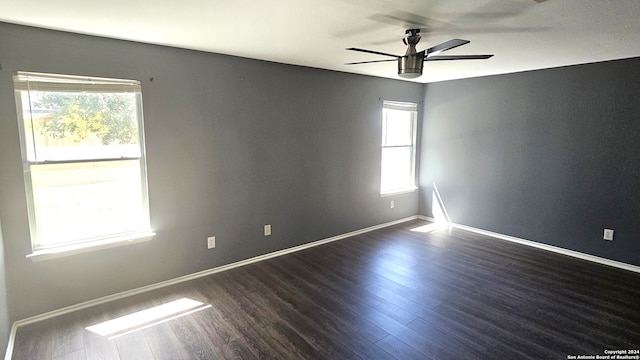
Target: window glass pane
{"type": "Point", "coordinates": [398, 127]}
{"type": "Point", "coordinates": [76, 201]}
{"type": "Point", "coordinates": [78, 126]}
{"type": "Point", "coordinates": [396, 168]}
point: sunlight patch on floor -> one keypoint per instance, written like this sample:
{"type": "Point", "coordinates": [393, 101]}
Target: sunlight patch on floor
{"type": "Point", "coordinates": [430, 227]}
{"type": "Point", "coordinates": [147, 318]}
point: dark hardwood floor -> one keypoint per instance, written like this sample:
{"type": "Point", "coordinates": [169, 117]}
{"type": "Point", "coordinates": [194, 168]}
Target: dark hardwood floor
{"type": "Point", "coordinates": [388, 294]}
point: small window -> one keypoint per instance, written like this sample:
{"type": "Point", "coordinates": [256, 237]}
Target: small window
{"type": "Point", "coordinates": [83, 158]}
{"type": "Point", "coordinates": [398, 147]}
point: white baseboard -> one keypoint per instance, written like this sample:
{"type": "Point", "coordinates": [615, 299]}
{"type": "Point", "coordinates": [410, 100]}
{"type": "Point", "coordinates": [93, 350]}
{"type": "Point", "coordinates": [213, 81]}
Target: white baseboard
{"type": "Point", "coordinates": [12, 339]}
{"type": "Point", "coordinates": [124, 294]}
{"type": "Point", "coordinates": [559, 250]}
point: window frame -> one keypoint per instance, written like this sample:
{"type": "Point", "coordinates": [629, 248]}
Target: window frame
{"type": "Point", "coordinates": [78, 84]}
{"type": "Point", "coordinates": [413, 109]}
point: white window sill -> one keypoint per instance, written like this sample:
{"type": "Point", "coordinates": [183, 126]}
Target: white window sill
{"type": "Point", "coordinates": [399, 191]}
{"type": "Point", "coordinates": [58, 252]}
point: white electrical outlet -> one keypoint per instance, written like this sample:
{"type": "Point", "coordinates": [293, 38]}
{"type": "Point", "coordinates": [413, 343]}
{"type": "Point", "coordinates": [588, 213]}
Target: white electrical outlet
{"type": "Point", "coordinates": [211, 242]}
{"type": "Point", "coordinates": [392, 204]}
{"type": "Point", "coordinates": [608, 234]}
{"type": "Point", "coordinates": [267, 230]}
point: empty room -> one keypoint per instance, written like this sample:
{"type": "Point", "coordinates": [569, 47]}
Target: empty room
{"type": "Point", "coordinates": [344, 179]}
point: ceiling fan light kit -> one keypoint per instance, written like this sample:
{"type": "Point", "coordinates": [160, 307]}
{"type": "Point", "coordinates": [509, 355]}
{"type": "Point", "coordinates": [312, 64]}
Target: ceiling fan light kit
{"type": "Point", "coordinates": [410, 65]}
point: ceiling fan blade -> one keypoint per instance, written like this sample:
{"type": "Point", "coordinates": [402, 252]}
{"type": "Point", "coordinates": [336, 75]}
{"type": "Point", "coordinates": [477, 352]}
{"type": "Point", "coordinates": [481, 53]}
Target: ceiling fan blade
{"type": "Point", "coordinates": [447, 45]}
{"type": "Point", "coordinates": [373, 52]}
{"type": "Point", "coordinates": [367, 62]}
{"type": "Point", "coordinates": [457, 57]}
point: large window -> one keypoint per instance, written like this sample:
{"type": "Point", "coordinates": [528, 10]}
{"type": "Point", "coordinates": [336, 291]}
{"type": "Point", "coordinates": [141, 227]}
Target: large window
{"type": "Point", "coordinates": [83, 159]}
{"type": "Point", "coordinates": [398, 147]}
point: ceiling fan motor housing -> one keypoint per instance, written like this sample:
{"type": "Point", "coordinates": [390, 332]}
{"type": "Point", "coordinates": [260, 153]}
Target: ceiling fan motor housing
{"type": "Point", "coordinates": [410, 66]}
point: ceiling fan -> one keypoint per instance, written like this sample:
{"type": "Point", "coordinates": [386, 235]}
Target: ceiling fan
{"type": "Point", "coordinates": [410, 64]}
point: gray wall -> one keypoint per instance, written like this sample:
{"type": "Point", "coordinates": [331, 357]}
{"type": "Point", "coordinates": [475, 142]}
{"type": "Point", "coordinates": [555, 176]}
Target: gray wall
{"type": "Point", "coordinates": [551, 155]}
{"type": "Point", "coordinates": [5, 322]}
{"type": "Point", "coordinates": [232, 144]}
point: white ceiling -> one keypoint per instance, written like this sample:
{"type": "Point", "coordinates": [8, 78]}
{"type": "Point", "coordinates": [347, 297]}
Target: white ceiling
{"type": "Point", "coordinates": [523, 34]}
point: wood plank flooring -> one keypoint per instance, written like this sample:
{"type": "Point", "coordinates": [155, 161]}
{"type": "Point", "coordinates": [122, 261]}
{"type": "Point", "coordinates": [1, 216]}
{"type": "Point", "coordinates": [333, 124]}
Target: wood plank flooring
{"type": "Point", "coordinates": [394, 293]}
